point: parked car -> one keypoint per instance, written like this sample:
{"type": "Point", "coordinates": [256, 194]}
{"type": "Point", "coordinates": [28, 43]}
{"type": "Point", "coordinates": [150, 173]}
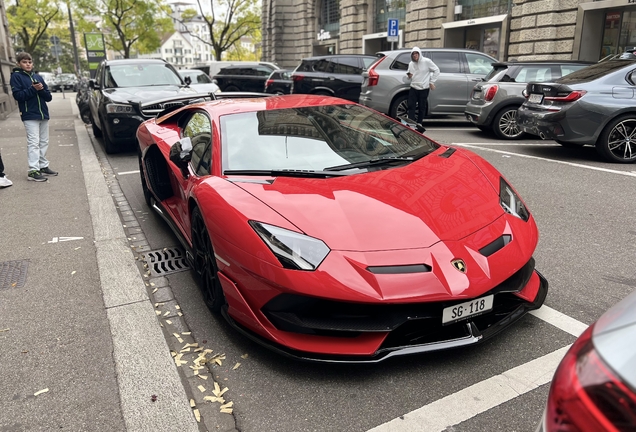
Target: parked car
{"type": "Point", "coordinates": [332, 75]}
{"type": "Point", "coordinates": [493, 104]}
{"type": "Point", "coordinates": [199, 81]}
{"type": "Point", "coordinates": [592, 106]}
{"type": "Point", "coordinates": [48, 77]}
{"type": "Point", "coordinates": [65, 81]}
{"type": "Point", "coordinates": [293, 180]}
{"type": "Point", "coordinates": [126, 92]}
{"type": "Point", "coordinates": [594, 386]}
{"type": "Point", "coordinates": [213, 67]}
{"type": "Point", "coordinates": [279, 82]}
{"type": "Point", "coordinates": [244, 78]}
{"type": "Point", "coordinates": [385, 86]}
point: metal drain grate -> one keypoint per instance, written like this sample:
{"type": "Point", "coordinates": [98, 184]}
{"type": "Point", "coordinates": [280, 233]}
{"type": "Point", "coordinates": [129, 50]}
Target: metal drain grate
{"type": "Point", "coordinates": [13, 274]}
{"type": "Point", "coordinates": [165, 261]}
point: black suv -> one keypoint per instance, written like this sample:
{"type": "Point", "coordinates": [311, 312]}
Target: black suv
{"type": "Point", "coordinates": [127, 92]}
{"type": "Point", "coordinates": [245, 78]}
{"type": "Point", "coordinates": [334, 75]}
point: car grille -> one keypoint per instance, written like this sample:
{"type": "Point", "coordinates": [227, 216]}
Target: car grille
{"type": "Point", "coordinates": [154, 109]}
{"type": "Point", "coordinates": [410, 323]}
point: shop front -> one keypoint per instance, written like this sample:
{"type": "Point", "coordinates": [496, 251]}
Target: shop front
{"type": "Point", "coordinates": [487, 35]}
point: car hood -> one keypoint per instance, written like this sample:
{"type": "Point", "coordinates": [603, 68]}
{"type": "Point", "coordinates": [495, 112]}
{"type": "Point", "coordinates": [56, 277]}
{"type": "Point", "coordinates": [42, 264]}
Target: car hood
{"type": "Point", "coordinates": [146, 94]}
{"type": "Point", "coordinates": [413, 206]}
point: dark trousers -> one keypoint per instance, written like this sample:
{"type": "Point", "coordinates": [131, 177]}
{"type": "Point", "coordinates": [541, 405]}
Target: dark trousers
{"type": "Point", "coordinates": [1, 167]}
{"type": "Point", "coordinates": [419, 98]}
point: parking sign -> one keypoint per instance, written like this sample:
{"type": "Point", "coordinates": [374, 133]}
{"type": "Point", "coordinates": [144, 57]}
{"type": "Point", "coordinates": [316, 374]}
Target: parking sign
{"type": "Point", "coordinates": [393, 30]}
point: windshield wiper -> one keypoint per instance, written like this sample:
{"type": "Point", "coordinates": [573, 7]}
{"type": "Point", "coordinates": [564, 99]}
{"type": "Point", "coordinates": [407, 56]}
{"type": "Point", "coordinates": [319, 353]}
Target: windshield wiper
{"type": "Point", "coordinates": [284, 173]}
{"type": "Point", "coordinates": [371, 162]}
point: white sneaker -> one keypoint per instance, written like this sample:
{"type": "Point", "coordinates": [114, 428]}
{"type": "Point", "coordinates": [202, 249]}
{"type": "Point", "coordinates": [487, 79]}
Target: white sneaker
{"type": "Point", "coordinates": [5, 182]}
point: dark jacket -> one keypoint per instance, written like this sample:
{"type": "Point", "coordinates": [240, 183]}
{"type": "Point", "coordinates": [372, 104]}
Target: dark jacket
{"type": "Point", "coordinates": [32, 103]}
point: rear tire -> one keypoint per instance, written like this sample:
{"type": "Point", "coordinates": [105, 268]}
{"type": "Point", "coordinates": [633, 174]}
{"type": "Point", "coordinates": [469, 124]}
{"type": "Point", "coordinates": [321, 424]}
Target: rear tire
{"type": "Point", "coordinates": [399, 107]}
{"type": "Point", "coordinates": [617, 142]}
{"type": "Point", "coordinates": [231, 89]}
{"type": "Point", "coordinates": [505, 125]}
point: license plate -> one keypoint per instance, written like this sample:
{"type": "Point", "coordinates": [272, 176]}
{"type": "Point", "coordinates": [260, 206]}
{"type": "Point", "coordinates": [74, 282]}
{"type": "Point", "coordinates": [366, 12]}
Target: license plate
{"type": "Point", "coordinates": [467, 309]}
{"type": "Point", "coordinates": [535, 98]}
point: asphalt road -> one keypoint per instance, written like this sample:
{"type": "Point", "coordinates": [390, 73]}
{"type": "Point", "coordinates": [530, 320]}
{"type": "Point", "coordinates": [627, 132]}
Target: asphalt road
{"type": "Point", "coordinates": [587, 228]}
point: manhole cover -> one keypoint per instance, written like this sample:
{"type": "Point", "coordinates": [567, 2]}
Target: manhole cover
{"type": "Point", "coordinates": [13, 274]}
{"type": "Point", "coordinates": [165, 261]}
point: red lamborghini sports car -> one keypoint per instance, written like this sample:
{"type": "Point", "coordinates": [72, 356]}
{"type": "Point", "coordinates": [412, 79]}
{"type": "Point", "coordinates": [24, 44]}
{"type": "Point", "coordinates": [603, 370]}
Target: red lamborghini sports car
{"type": "Point", "coordinates": [327, 231]}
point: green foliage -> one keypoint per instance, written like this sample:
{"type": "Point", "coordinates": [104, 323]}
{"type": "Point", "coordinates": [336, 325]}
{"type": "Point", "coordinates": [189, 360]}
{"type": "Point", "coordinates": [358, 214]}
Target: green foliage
{"type": "Point", "coordinates": [29, 20]}
{"type": "Point", "coordinates": [229, 21]}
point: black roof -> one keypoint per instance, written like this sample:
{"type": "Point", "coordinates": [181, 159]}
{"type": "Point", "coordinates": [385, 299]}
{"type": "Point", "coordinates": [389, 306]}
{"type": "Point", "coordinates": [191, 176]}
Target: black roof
{"type": "Point", "coordinates": [540, 62]}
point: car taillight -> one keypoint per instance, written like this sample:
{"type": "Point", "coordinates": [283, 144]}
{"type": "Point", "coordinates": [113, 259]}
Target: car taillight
{"type": "Point", "coordinates": [298, 77]}
{"type": "Point", "coordinates": [586, 395]}
{"type": "Point", "coordinates": [491, 92]}
{"type": "Point", "coordinates": [374, 78]}
{"type": "Point", "coordinates": [570, 97]}
{"type": "Point", "coordinates": [269, 82]}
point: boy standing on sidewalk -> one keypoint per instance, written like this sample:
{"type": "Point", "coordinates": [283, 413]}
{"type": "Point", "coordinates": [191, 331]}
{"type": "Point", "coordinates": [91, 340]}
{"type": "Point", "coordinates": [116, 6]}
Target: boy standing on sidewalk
{"type": "Point", "coordinates": [32, 94]}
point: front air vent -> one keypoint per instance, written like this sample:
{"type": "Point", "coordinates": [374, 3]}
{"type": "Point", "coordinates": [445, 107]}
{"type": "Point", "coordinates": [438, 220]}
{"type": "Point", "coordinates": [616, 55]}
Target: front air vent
{"type": "Point", "coordinates": [403, 269]}
{"type": "Point", "coordinates": [498, 244]}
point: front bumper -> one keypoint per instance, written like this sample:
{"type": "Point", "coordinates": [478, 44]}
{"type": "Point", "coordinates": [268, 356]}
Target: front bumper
{"type": "Point", "coordinates": [367, 100]}
{"type": "Point", "coordinates": [419, 329]}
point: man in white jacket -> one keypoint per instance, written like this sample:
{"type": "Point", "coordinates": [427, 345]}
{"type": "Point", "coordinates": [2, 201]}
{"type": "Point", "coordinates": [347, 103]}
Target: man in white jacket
{"type": "Point", "coordinates": [423, 73]}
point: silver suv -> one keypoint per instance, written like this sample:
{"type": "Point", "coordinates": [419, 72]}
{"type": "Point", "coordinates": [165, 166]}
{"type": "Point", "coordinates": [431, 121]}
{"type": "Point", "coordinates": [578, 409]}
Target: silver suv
{"type": "Point", "coordinates": [494, 103]}
{"type": "Point", "coordinates": [385, 86]}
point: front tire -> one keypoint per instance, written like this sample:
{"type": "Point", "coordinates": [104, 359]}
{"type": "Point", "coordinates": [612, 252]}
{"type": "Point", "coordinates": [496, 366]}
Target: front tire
{"type": "Point", "coordinates": [617, 142]}
{"type": "Point", "coordinates": [96, 131]}
{"type": "Point", "coordinates": [144, 185]}
{"type": "Point", "coordinates": [505, 124]}
{"type": "Point", "coordinates": [205, 263]}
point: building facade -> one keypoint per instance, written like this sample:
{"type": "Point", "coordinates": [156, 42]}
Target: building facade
{"type": "Point", "coordinates": [7, 62]}
{"type": "Point", "coordinates": [505, 29]}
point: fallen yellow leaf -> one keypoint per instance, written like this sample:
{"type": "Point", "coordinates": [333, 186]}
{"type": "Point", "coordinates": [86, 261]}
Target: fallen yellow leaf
{"type": "Point", "coordinates": [201, 388]}
{"type": "Point", "coordinates": [197, 415]}
{"type": "Point", "coordinates": [40, 392]}
{"type": "Point", "coordinates": [192, 403]}
{"type": "Point", "coordinates": [236, 366]}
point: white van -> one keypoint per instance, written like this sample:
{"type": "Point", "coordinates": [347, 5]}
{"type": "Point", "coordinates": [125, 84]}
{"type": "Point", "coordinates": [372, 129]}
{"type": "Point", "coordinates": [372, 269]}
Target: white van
{"type": "Point", "coordinates": [212, 68]}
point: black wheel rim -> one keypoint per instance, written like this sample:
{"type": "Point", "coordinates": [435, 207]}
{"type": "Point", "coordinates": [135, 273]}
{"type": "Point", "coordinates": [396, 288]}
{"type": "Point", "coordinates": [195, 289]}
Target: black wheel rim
{"type": "Point", "coordinates": [621, 141]}
{"type": "Point", "coordinates": [508, 124]}
{"type": "Point", "coordinates": [204, 261]}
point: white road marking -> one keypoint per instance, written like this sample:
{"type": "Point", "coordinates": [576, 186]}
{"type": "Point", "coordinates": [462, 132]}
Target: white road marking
{"type": "Point", "coordinates": [478, 398]}
{"type": "Point", "coordinates": [560, 320]}
{"type": "Point", "coordinates": [593, 168]}
{"type": "Point", "coordinates": [64, 239]}
{"type": "Point", "coordinates": [128, 172]}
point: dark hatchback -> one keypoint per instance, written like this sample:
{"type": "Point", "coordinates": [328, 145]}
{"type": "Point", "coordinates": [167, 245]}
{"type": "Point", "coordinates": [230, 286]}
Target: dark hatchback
{"type": "Point", "coordinates": [127, 92]}
{"type": "Point", "coordinates": [593, 106]}
{"type": "Point", "coordinates": [279, 82]}
{"type": "Point", "coordinates": [334, 75]}
{"type": "Point", "coordinates": [244, 78]}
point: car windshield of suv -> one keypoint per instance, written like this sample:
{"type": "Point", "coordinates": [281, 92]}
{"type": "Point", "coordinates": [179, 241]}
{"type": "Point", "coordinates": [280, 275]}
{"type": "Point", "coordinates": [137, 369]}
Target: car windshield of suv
{"type": "Point", "coordinates": [140, 75]}
{"type": "Point", "coordinates": [595, 71]}
{"type": "Point", "coordinates": [317, 139]}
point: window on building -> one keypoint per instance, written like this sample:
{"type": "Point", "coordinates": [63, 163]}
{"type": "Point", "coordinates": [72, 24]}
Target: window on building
{"type": "Point", "coordinates": [385, 9]}
{"type": "Point", "coordinates": [330, 16]}
{"type": "Point", "coordinates": [482, 8]}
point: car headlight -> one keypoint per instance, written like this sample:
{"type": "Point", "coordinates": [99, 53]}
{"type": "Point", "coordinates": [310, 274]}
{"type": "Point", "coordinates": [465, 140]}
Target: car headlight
{"type": "Point", "coordinates": [118, 108]}
{"type": "Point", "coordinates": [294, 250]}
{"type": "Point", "coordinates": [510, 201]}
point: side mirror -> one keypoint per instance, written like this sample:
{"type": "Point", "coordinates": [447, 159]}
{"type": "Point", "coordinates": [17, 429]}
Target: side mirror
{"type": "Point", "coordinates": [187, 80]}
{"type": "Point", "coordinates": [181, 154]}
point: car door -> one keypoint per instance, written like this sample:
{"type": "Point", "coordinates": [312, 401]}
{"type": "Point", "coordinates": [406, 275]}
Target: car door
{"type": "Point", "coordinates": [348, 77]}
{"type": "Point", "coordinates": [451, 88]}
{"type": "Point", "coordinates": [95, 95]}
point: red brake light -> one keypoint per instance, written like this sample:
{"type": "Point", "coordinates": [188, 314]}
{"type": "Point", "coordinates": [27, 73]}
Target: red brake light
{"type": "Point", "coordinates": [571, 97]}
{"type": "Point", "coordinates": [585, 394]}
{"type": "Point", "coordinates": [491, 92]}
{"type": "Point", "coordinates": [373, 75]}
{"type": "Point", "coordinates": [298, 77]}
{"type": "Point", "coordinates": [269, 82]}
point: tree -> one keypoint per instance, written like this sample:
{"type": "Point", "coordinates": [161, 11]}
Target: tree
{"type": "Point", "coordinates": [237, 18]}
{"type": "Point", "coordinates": [29, 21]}
{"type": "Point", "coordinates": [134, 23]}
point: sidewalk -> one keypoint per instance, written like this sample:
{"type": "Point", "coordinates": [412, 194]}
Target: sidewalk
{"type": "Point", "coordinates": [80, 345]}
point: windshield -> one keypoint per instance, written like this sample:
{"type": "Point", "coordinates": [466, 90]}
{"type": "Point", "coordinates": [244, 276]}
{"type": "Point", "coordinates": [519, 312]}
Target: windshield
{"type": "Point", "coordinates": [139, 75]}
{"type": "Point", "coordinates": [595, 71]}
{"type": "Point", "coordinates": [315, 138]}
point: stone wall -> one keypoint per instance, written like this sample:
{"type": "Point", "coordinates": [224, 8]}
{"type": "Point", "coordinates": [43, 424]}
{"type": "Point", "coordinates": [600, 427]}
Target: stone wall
{"type": "Point", "coordinates": [353, 25]}
{"type": "Point", "coordinates": [288, 31]}
{"type": "Point", "coordinates": [542, 29]}
{"type": "Point", "coordinates": [424, 20]}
